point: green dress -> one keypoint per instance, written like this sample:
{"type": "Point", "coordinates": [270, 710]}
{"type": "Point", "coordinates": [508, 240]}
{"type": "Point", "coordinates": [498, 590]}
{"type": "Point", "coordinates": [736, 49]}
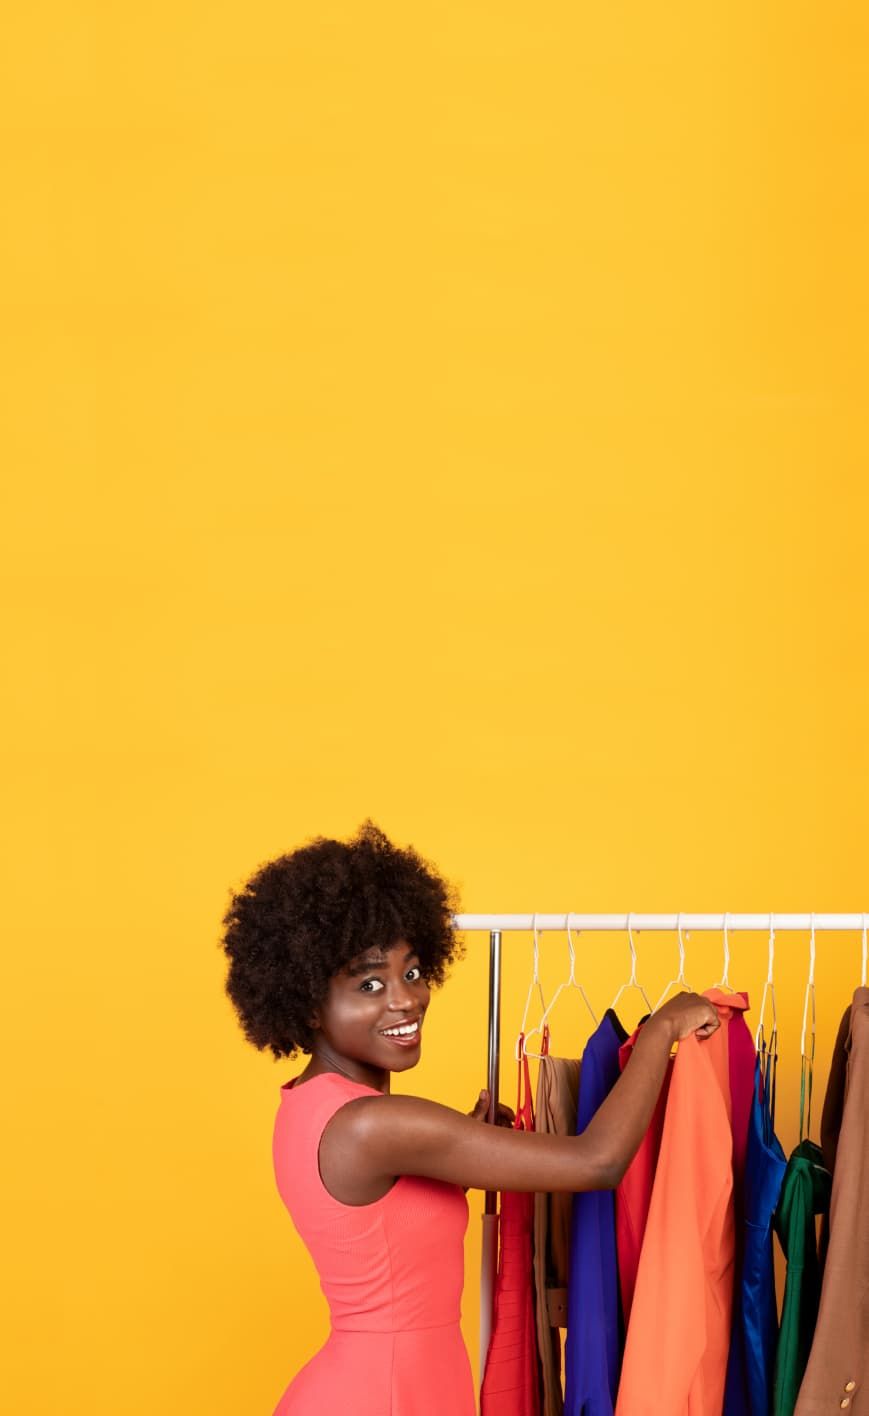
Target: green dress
{"type": "Point", "coordinates": [805, 1193]}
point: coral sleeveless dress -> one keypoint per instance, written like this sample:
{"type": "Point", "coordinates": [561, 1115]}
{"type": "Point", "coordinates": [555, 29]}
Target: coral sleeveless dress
{"type": "Point", "coordinates": [392, 1272]}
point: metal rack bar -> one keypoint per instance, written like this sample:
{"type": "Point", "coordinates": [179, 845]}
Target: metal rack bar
{"type": "Point", "coordinates": [619, 922]}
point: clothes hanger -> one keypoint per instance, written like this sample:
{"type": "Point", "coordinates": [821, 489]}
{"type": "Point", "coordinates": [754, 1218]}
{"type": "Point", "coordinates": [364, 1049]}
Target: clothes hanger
{"type": "Point", "coordinates": [535, 983]}
{"type": "Point", "coordinates": [767, 1048]}
{"type": "Point", "coordinates": [863, 968]}
{"type": "Point", "coordinates": [760, 1042]}
{"type": "Point", "coordinates": [807, 1061]}
{"type": "Point", "coordinates": [569, 982]}
{"type": "Point", "coordinates": [724, 982]}
{"type": "Point", "coordinates": [632, 981]}
{"type": "Point", "coordinates": [680, 977]}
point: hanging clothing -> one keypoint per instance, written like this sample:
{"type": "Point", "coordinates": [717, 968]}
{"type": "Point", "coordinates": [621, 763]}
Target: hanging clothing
{"type": "Point", "coordinates": [831, 1116]}
{"type": "Point", "coordinates": [634, 1191]}
{"type": "Point", "coordinates": [594, 1328]}
{"type": "Point", "coordinates": [511, 1379]}
{"type": "Point", "coordinates": [805, 1193]}
{"type": "Point", "coordinates": [677, 1342]}
{"type": "Point", "coordinates": [555, 1112]}
{"type": "Point", "coordinates": [742, 1058]}
{"type": "Point", "coordinates": [837, 1373]}
{"type": "Point", "coordinates": [392, 1272]}
{"type": "Point", "coordinates": [751, 1363]}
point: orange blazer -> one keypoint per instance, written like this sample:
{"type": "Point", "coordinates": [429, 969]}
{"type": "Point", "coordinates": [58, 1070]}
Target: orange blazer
{"type": "Point", "coordinates": [678, 1336]}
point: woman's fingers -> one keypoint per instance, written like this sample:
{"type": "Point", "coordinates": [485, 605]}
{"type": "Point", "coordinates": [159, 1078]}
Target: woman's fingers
{"type": "Point", "coordinates": [504, 1115]}
{"type": "Point", "coordinates": [481, 1106]}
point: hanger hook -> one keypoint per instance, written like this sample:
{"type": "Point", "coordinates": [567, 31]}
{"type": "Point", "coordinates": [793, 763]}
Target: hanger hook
{"type": "Point", "coordinates": [569, 982]}
{"type": "Point", "coordinates": [572, 952]}
{"type": "Point", "coordinates": [632, 981]}
{"type": "Point", "coordinates": [809, 996]}
{"type": "Point", "coordinates": [633, 949]}
{"type": "Point", "coordinates": [680, 978]}
{"type": "Point", "coordinates": [863, 955]}
{"type": "Point", "coordinates": [535, 983]}
{"type": "Point", "coordinates": [768, 989]}
{"type": "Point", "coordinates": [725, 978]}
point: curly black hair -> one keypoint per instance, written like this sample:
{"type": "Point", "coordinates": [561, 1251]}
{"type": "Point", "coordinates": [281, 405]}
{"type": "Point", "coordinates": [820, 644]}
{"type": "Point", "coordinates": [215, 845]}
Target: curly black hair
{"type": "Point", "coordinates": [301, 918]}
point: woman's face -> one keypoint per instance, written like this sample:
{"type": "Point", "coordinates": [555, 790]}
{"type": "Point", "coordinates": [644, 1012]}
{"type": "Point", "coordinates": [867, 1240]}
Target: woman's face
{"type": "Point", "coordinates": [374, 1010]}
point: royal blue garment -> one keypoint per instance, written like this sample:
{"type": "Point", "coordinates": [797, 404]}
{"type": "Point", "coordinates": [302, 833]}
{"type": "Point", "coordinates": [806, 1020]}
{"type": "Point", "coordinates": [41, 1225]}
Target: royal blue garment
{"type": "Point", "coordinates": [594, 1326]}
{"type": "Point", "coordinates": [751, 1361]}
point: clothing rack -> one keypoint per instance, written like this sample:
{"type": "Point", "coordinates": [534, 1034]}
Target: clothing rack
{"type": "Point", "coordinates": [497, 924]}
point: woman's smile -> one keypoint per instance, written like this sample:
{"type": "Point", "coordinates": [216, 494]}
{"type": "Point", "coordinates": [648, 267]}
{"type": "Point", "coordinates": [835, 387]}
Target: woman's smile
{"type": "Point", "coordinates": [404, 1034]}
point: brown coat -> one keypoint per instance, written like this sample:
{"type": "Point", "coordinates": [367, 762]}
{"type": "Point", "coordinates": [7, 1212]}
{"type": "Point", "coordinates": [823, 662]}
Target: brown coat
{"type": "Point", "coordinates": [557, 1097]}
{"type": "Point", "coordinates": [837, 1375]}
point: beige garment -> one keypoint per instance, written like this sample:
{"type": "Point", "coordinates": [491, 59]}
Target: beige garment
{"type": "Point", "coordinates": [837, 1374]}
{"type": "Point", "coordinates": [555, 1111]}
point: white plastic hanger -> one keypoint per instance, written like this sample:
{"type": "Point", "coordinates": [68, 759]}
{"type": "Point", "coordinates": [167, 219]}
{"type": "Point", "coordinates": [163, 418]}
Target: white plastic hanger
{"type": "Point", "coordinates": [807, 1060]}
{"type": "Point", "coordinates": [809, 996]}
{"type": "Point", "coordinates": [768, 991]}
{"type": "Point", "coordinates": [632, 981]}
{"type": "Point", "coordinates": [680, 979]}
{"type": "Point", "coordinates": [535, 983]}
{"type": "Point", "coordinates": [569, 982]}
{"type": "Point", "coordinates": [863, 955]}
{"type": "Point", "coordinates": [724, 981]}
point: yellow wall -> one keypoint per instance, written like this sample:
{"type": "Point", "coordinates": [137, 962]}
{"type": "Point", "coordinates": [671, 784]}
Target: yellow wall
{"type": "Point", "coordinates": [453, 414]}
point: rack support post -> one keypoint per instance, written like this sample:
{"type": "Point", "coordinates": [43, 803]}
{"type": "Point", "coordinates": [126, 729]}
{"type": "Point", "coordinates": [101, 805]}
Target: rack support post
{"type": "Point", "coordinates": [490, 1213]}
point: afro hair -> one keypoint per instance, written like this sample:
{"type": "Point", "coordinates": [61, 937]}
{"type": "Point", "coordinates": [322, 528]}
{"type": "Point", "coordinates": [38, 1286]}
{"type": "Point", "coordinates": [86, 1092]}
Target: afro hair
{"type": "Point", "coordinates": [300, 919]}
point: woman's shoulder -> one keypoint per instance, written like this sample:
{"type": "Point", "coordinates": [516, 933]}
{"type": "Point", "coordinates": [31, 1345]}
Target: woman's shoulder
{"type": "Point", "coordinates": [307, 1106]}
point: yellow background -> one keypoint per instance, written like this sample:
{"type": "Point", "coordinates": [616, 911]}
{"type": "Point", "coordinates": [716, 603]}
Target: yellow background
{"type": "Point", "coordinates": [453, 414]}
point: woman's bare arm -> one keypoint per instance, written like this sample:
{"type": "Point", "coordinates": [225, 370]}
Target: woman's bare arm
{"type": "Point", "coordinates": [371, 1140]}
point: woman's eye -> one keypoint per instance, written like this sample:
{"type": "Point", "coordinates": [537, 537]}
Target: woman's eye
{"type": "Point", "coordinates": [371, 985]}
{"type": "Point", "coordinates": [414, 973]}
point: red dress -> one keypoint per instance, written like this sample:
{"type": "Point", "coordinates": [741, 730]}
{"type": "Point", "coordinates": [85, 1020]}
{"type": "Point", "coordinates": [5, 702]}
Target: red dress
{"type": "Point", "coordinates": [511, 1382]}
{"type": "Point", "coordinates": [392, 1272]}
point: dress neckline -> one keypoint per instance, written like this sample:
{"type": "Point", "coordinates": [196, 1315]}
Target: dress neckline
{"type": "Point", "coordinates": [288, 1087]}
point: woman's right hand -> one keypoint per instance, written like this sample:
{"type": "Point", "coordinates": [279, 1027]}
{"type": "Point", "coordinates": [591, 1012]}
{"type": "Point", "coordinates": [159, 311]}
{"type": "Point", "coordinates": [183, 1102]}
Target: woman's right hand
{"type": "Point", "coordinates": [689, 1013]}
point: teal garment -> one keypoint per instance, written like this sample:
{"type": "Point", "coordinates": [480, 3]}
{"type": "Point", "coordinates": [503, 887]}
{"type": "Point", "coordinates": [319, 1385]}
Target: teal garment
{"type": "Point", "coordinates": [805, 1193]}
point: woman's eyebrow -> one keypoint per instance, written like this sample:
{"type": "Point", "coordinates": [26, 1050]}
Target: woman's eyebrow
{"type": "Point", "coordinates": [361, 966]}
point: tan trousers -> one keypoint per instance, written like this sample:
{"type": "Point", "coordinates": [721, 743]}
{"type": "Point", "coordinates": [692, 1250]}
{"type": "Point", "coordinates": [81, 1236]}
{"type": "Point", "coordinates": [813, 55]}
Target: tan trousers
{"type": "Point", "coordinates": [555, 1111]}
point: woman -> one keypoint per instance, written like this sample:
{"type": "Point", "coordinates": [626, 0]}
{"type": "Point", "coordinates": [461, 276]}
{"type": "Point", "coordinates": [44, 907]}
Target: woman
{"type": "Point", "coordinates": [333, 951]}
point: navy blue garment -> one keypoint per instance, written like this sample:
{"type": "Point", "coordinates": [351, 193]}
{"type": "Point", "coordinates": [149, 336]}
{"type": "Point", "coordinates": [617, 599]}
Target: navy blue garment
{"type": "Point", "coordinates": [751, 1361]}
{"type": "Point", "coordinates": [594, 1325]}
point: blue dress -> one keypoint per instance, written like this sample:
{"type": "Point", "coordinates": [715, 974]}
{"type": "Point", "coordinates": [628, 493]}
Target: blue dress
{"type": "Point", "coordinates": [594, 1324]}
{"type": "Point", "coordinates": [751, 1364]}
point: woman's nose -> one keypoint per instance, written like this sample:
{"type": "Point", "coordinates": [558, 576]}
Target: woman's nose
{"type": "Point", "coordinates": [401, 997]}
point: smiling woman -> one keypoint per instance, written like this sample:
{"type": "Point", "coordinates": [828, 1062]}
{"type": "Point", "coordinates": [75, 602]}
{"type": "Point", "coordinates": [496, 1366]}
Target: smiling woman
{"type": "Point", "coordinates": [333, 951]}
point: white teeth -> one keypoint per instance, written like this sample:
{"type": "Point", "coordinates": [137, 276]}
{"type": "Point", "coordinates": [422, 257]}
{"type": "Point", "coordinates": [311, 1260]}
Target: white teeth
{"type": "Point", "coordinates": [406, 1030]}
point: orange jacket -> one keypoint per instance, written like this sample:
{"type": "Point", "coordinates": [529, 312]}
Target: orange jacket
{"type": "Point", "coordinates": [678, 1337]}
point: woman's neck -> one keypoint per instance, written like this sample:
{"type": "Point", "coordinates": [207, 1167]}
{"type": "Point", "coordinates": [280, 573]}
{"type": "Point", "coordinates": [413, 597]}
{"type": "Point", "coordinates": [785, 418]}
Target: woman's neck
{"type": "Point", "coordinates": [326, 1059]}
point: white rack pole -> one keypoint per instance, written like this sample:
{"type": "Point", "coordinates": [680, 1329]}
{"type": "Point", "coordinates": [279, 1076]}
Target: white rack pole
{"type": "Point", "coordinates": [668, 922]}
{"type": "Point", "coordinates": [494, 925]}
